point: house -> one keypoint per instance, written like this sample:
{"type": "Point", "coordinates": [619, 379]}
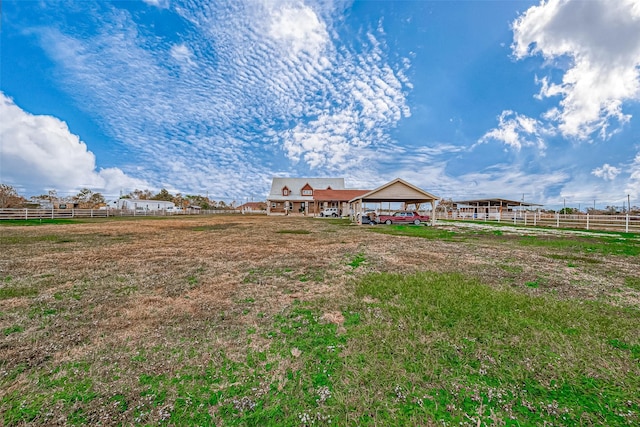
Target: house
{"type": "Point", "coordinates": [252, 207]}
{"type": "Point", "coordinates": [141, 205]}
{"type": "Point", "coordinates": [296, 195]}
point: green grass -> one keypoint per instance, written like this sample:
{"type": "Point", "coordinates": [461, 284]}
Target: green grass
{"type": "Point", "coordinates": [449, 349]}
{"type": "Point", "coordinates": [623, 244]}
{"type": "Point", "coordinates": [570, 258]}
{"type": "Point", "coordinates": [215, 227]}
{"type": "Point", "coordinates": [420, 349]}
{"type": "Point", "coordinates": [632, 282]}
{"type": "Point", "coordinates": [12, 330]}
{"type": "Point", "coordinates": [43, 221]}
{"type": "Point", "coordinates": [416, 231]}
{"type": "Point", "coordinates": [7, 292]}
{"type": "Point", "coordinates": [293, 232]}
{"type": "Point", "coordinates": [600, 245]}
{"type": "Point", "coordinates": [357, 260]}
{"type": "Point", "coordinates": [21, 239]}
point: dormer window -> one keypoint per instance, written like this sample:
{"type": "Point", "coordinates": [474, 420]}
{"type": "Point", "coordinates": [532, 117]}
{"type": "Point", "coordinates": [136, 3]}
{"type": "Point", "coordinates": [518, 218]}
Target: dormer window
{"type": "Point", "coordinates": [307, 190]}
{"type": "Point", "coordinates": [285, 191]}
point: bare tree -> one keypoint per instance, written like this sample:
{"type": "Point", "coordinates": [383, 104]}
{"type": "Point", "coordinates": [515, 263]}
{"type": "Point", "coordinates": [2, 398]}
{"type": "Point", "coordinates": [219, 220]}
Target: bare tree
{"type": "Point", "coordinates": [9, 197]}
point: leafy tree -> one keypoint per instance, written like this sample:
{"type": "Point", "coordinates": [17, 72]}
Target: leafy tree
{"type": "Point", "coordinates": [96, 200]}
{"type": "Point", "coordinates": [163, 195]}
{"type": "Point", "coordinates": [445, 205]}
{"type": "Point", "coordinates": [179, 201]}
{"type": "Point", "coordinates": [568, 211]}
{"type": "Point", "coordinates": [141, 195]}
{"type": "Point", "coordinates": [9, 197]}
{"type": "Point", "coordinates": [87, 199]}
{"type": "Point", "coordinates": [611, 210]}
{"type": "Point", "coordinates": [202, 201]}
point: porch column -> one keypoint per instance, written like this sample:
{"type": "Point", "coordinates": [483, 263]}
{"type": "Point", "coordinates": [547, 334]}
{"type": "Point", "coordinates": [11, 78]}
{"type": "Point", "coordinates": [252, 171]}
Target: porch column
{"type": "Point", "coordinates": [433, 212]}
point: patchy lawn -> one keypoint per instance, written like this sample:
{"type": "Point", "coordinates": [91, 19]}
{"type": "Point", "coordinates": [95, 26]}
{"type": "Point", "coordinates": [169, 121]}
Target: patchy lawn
{"type": "Point", "coordinates": [248, 320]}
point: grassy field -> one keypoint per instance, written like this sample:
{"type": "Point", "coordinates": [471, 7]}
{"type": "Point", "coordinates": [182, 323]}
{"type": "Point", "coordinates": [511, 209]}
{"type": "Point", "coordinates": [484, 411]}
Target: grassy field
{"type": "Point", "coordinates": [248, 320]}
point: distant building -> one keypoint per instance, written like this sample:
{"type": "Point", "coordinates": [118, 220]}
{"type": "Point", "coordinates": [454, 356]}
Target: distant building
{"type": "Point", "coordinates": [141, 205]}
{"type": "Point", "coordinates": [253, 207]}
{"type": "Point", "coordinates": [488, 208]}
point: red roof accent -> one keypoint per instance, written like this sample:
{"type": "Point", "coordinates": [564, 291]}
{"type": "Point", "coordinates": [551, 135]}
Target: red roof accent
{"type": "Point", "coordinates": [337, 195]}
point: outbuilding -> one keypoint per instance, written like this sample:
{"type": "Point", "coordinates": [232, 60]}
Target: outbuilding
{"type": "Point", "coordinates": [487, 209]}
{"type": "Point", "coordinates": [396, 191]}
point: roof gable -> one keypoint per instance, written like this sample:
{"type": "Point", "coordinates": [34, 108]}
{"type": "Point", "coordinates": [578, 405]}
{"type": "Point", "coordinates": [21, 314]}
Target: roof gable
{"type": "Point", "coordinates": [398, 190]}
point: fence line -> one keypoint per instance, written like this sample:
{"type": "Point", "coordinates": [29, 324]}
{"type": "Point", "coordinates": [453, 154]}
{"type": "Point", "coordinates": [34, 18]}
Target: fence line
{"type": "Point", "coordinates": [17, 214]}
{"type": "Point", "coordinates": [623, 223]}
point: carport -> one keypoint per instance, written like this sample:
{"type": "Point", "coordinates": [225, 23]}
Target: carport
{"type": "Point", "coordinates": [395, 191]}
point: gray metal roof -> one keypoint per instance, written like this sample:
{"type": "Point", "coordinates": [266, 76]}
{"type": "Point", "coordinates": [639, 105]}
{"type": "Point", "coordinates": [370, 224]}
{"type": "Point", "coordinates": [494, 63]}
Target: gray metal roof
{"type": "Point", "coordinates": [295, 186]}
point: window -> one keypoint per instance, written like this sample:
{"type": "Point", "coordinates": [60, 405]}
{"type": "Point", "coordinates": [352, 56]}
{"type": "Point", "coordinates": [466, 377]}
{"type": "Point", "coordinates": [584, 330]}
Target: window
{"type": "Point", "coordinates": [307, 192]}
{"type": "Point", "coordinates": [273, 205]}
{"type": "Point", "coordinates": [285, 191]}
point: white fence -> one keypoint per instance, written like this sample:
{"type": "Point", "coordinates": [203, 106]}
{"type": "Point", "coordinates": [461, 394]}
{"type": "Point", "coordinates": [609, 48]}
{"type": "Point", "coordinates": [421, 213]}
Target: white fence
{"type": "Point", "coordinates": [623, 223]}
{"type": "Point", "coordinates": [94, 213]}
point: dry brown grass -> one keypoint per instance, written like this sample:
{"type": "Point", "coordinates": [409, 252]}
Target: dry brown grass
{"type": "Point", "coordinates": [105, 289]}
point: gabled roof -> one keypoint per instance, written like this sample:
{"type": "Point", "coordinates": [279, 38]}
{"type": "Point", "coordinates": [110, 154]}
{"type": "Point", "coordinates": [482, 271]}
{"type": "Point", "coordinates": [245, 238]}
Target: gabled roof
{"type": "Point", "coordinates": [296, 184]}
{"type": "Point", "coordinates": [337, 195]}
{"type": "Point", "coordinates": [397, 190]}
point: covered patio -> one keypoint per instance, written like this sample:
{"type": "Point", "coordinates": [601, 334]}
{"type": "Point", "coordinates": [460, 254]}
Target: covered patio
{"type": "Point", "coordinates": [489, 208]}
{"type": "Point", "coordinates": [396, 191]}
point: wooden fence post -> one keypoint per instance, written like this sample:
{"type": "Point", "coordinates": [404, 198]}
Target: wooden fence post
{"type": "Point", "coordinates": [626, 226]}
{"type": "Point", "coordinates": [587, 221]}
{"type": "Point", "coordinates": [557, 220]}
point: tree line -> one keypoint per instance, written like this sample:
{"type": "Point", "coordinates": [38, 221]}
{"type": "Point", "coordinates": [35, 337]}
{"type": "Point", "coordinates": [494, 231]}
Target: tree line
{"type": "Point", "coordinates": [88, 199]}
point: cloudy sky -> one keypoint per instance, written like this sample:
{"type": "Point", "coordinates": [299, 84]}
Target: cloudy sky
{"type": "Point", "coordinates": [464, 99]}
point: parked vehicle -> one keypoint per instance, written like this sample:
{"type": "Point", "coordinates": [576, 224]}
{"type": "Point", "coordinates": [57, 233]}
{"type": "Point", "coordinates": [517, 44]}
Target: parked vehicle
{"type": "Point", "coordinates": [368, 217]}
{"type": "Point", "coordinates": [330, 212]}
{"type": "Point", "coordinates": [403, 217]}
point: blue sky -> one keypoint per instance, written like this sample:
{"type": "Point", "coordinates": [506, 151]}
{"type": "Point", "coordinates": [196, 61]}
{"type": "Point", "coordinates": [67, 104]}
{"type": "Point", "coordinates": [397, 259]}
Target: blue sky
{"type": "Point", "coordinates": [464, 99]}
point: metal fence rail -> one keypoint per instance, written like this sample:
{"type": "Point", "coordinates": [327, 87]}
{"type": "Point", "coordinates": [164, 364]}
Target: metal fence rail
{"type": "Point", "coordinates": [623, 223]}
{"type": "Point", "coordinates": [17, 214]}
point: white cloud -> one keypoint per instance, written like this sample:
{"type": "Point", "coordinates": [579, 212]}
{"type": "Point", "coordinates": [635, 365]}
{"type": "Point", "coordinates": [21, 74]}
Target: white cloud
{"type": "Point", "coordinates": [633, 185]}
{"type": "Point", "coordinates": [601, 41]}
{"type": "Point", "coordinates": [299, 28]}
{"type": "Point", "coordinates": [517, 131]}
{"type": "Point", "coordinates": [269, 85]}
{"type": "Point", "coordinates": [182, 54]}
{"type": "Point", "coordinates": [162, 4]}
{"type": "Point", "coordinates": [606, 172]}
{"type": "Point", "coordinates": [39, 152]}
